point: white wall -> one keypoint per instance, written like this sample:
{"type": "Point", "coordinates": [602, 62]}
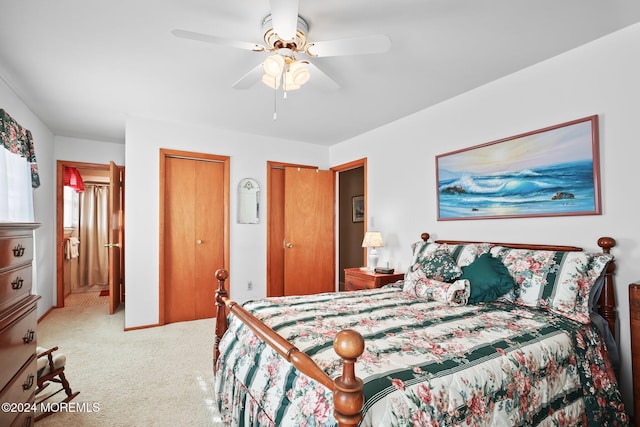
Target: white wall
{"type": "Point", "coordinates": [599, 78]}
{"type": "Point", "coordinates": [249, 155]}
{"type": "Point", "coordinates": [42, 196]}
{"type": "Point", "coordinates": [87, 151]}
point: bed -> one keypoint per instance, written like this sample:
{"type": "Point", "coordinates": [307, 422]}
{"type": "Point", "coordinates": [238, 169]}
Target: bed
{"type": "Point", "coordinates": [478, 333]}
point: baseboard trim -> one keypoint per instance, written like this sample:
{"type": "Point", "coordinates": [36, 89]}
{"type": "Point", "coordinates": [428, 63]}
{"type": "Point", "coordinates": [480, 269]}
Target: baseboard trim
{"type": "Point", "coordinates": [46, 313]}
{"type": "Point", "coordinates": [142, 327]}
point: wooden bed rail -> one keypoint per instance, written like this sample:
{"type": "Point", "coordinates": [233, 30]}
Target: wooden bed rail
{"type": "Point", "coordinates": [348, 397]}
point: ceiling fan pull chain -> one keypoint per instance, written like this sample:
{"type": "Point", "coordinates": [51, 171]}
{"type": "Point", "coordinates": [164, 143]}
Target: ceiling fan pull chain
{"type": "Point", "coordinates": [275, 103]}
{"type": "Point", "coordinates": [284, 83]}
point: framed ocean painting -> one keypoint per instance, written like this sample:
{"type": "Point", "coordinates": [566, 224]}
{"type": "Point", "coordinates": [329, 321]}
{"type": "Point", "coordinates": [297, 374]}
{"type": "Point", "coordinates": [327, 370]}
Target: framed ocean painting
{"type": "Point", "coordinates": [553, 171]}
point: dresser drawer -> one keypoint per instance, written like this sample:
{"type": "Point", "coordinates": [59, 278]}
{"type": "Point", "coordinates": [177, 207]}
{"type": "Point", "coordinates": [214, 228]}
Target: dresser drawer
{"type": "Point", "coordinates": [14, 285]}
{"type": "Point", "coordinates": [15, 251]}
{"type": "Point", "coordinates": [25, 419]}
{"type": "Point", "coordinates": [352, 283]}
{"type": "Point", "coordinates": [20, 391]}
{"type": "Point", "coordinates": [17, 340]}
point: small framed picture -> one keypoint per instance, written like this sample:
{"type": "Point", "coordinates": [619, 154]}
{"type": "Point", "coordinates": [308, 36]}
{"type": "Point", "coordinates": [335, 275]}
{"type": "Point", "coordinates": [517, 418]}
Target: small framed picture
{"type": "Point", "coordinates": [357, 209]}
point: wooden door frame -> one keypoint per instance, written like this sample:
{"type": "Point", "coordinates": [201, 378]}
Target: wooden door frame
{"type": "Point", "coordinates": [164, 153]}
{"type": "Point", "coordinates": [60, 165]}
{"type": "Point", "coordinates": [342, 168]}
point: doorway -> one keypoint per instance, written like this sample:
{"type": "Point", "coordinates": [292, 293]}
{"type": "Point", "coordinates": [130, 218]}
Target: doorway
{"type": "Point", "coordinates": [352, 188]}
{"type": "Point", "coordinates": [85, 275]}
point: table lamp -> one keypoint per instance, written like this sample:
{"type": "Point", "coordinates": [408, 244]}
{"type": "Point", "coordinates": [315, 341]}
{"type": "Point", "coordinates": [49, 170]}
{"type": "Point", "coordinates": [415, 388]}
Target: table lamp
{"type": "Point", "coordinates": [373, 240]}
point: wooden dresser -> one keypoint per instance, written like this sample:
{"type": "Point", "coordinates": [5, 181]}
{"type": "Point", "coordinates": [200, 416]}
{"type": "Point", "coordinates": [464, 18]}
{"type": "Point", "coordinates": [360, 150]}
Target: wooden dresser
{"type": "Point", "coordinates": [18, 320]}
{"type": "Point", "coordinates": [634, 314]}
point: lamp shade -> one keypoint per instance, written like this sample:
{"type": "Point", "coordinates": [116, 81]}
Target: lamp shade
{"type": "Point", "coordinates": [271, 81]}
{"type": "Point", "coordinates": [298, 73]}
{"type": "Point", "coordinates": [372, 239]}
{"type": "Point", "coordinates": [273, 65]}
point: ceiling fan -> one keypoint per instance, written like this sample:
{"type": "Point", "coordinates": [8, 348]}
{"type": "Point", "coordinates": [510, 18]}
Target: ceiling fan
{"type": "Point", "coordinates": [285, 36]}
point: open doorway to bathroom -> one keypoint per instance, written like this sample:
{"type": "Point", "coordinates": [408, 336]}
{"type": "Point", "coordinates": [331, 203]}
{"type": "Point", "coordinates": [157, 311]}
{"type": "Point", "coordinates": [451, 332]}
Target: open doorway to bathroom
{"type": "Point", "coordinates": [83, 229]}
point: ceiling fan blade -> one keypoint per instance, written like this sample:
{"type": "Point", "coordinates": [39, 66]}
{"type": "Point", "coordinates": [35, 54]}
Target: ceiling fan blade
{"type": "Point", "coordinates": [320, 79]}
{"type": "Point", "coordinates": [379, 43]}
{"type": "Point", "coordinates": [248, 80]}
{"type": "Point", "coordinates": [217, 40]}
{"type": "Point", "coordinates": [284, 17]}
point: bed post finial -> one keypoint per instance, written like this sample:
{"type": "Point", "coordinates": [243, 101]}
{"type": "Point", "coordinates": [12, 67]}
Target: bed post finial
{"type": "Point", "coordinates": [425, 236]}
{"type": "Point", "coordinates": [348, 398]}
{"type": "Point", "coordinates": [221, 312]}
{"type": "Point", "coordinates": [607, 299]}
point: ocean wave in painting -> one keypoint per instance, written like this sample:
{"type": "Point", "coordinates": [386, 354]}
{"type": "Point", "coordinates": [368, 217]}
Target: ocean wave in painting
{"type": "Point", "coordinates": [556, 189]}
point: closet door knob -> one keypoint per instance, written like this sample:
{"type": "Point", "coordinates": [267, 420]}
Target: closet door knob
{"type": "Point", "coordinates": [199, 242]}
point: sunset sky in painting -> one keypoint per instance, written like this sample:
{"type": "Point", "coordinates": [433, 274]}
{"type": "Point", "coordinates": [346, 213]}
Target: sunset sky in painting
{"type": "Point", "coordinates": [560, 145]}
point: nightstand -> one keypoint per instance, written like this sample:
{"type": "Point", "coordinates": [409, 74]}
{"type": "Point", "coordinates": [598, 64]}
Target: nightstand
{"type": "Point", "coordinates": [356, 278]}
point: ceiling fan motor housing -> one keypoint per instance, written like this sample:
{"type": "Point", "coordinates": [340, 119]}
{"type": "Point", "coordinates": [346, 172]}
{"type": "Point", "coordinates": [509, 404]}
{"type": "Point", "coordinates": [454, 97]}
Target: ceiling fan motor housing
{"type": "Point", "coordinates": [274, 42]}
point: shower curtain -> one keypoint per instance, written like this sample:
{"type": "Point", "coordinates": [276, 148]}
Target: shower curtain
{"type": "Point", "coordinates": [94, 256]}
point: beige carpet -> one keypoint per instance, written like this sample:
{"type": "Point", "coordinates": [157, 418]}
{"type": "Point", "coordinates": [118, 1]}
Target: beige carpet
{"type": "Point", "coordinates": [158, 376]}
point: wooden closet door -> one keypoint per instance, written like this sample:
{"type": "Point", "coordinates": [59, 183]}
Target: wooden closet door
{"type": "Point", "coordinates": [209, 225]}
{"type": "Point", "coordinates": [194, 242]}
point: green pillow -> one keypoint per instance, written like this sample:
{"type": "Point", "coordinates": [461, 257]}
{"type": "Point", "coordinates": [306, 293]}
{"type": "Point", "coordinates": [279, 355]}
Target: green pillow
{"type": "Point", "coordinates": [489, 279]}
{"type": "Point", "coordinates": [439, 265]}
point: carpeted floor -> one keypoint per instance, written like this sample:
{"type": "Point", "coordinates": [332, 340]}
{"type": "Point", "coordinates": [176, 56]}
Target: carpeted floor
{"type": "Point", "coordinates": [158, 376]}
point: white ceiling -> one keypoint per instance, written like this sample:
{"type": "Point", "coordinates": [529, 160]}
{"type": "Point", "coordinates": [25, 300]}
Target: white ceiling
{"type": "Point", "coordinates": [83, 66]}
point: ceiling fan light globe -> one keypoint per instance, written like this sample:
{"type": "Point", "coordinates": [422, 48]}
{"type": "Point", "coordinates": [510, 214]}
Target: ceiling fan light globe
{"type": "Point", "coordinates": [297, 74]}
{"type": "Point", "coordinates": [272, 81]}
{"type": "Point", "coordinates": [288, 85]}
{"type": "Point", "coordinates": [273, 65]}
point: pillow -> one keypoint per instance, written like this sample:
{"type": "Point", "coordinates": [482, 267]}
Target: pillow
{"type": "Point", "coordinates": [558, 281]}
{"type": "Point", "coordinates": [438, 265]}
{"type": "Point", "coordinates": [596, 290]}
{"type": "Point", "coordinates": [462, 255]}
{"type": "Point", "coordinates": [456, 293]}
{"type": "Point", "coordinates": [489, 279]}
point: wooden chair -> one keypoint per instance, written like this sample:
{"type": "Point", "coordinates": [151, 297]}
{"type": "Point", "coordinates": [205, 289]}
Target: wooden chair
{"type": "Point", "coordinates": [51, 370]}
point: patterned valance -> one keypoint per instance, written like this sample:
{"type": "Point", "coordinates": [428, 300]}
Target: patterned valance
{"type": "Point", "coordinates": [19, 140]}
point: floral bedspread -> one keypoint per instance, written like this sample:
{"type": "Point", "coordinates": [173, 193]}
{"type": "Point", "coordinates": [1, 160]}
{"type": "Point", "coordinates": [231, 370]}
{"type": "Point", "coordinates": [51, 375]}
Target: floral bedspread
{"type": "Point", "coordinates": [426, 363]}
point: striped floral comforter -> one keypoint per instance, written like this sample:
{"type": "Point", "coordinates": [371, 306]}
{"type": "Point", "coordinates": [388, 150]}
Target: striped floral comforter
{"type": "Point", "coordinates": [425, 364]}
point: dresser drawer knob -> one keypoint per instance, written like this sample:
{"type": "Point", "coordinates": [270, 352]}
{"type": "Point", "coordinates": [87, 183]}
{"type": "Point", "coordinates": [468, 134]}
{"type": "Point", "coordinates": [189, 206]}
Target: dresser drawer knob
{"type": "Point", "coordinates": [18, 251]}
{"type": "Point", "coordinates": [17, 284]}
{"type": "Point", "coordinates": [29, 336]}
{"type": "Point", "coordinates": [28, 383]}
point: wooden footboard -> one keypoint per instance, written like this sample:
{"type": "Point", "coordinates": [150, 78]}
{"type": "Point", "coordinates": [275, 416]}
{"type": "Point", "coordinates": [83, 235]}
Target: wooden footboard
{"type": "Point", "coordinates": [348, 398]}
